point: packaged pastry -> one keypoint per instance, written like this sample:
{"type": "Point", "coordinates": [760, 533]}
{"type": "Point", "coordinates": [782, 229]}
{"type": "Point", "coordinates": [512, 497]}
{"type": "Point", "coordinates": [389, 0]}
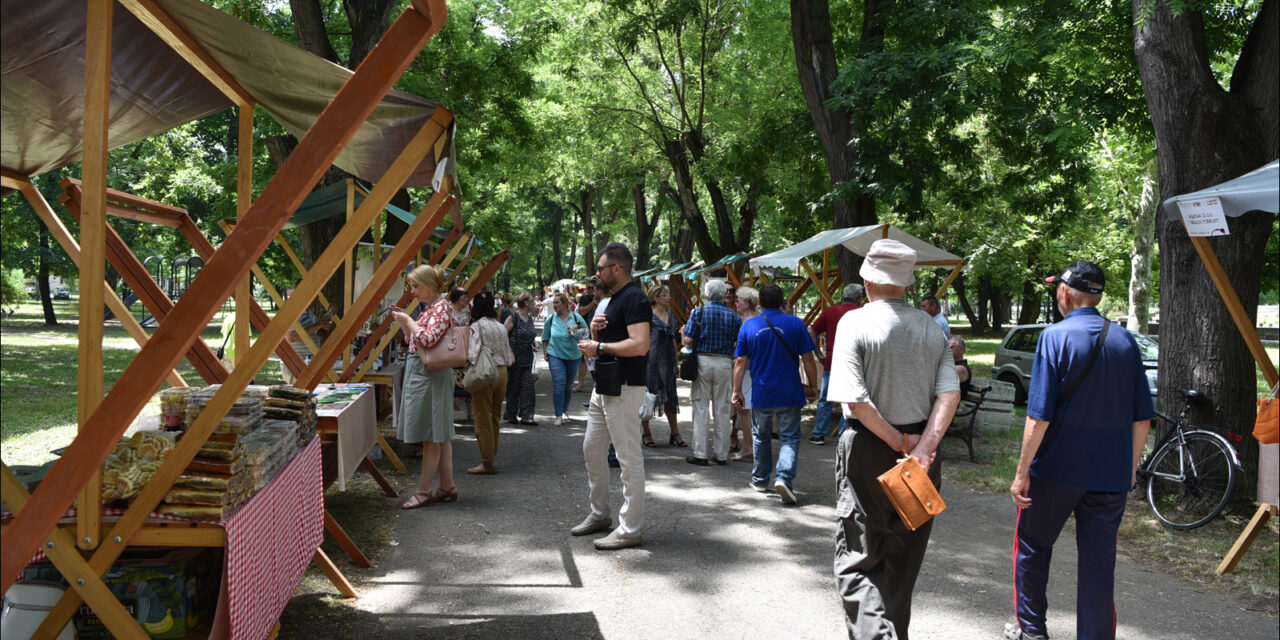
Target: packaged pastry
{"type": "Point", "coordinates": [151, 444]}
{"type": "Point", "coordinates": [205, 481]}
{"type": "Point", "coordinates": [281, 413]}
{"type": "Point", "coordinates": [206, 512]}
{"type": "Point", "coordinates": [290, 392]}
{"type": "Point", "coordinates": [221, 467]}
{"type": "Point", "coordinates": [196, 496]}
{"type": "Point", "coordinates": [297, 405]}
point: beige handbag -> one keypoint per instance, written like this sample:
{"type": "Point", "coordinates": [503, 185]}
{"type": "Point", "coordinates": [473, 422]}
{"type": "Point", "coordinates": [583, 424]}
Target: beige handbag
{"type": "Point", "coordinates": [449, 352]}
{"type": "Point", "coordinates": [911, 491]}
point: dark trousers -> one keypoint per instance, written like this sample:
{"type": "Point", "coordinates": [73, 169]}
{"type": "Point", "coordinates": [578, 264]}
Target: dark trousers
{"type": "Point", "coordinates": [1098, 516]}
{"type": "Point", "coordinates": [877, 557]}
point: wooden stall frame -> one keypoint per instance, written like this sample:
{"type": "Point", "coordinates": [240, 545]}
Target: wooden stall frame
{"type": "Point", "coordinates": [1250, 335]}
{"type": "Point", "coordinates": [103, 420]}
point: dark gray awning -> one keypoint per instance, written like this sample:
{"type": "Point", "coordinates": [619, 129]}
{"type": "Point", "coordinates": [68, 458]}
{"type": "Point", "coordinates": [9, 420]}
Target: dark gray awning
{"type": "Point", "coordinates": [153, 89]}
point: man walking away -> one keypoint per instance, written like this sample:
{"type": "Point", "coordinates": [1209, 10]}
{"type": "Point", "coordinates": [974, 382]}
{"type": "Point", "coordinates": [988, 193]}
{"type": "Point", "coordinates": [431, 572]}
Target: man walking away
{"type": "Point", "coordinates": [826, 323]}
{"type": "Point", "coordinates": [622, 349]}
{"type": "Point", "coordinates": [1088, 413]}
{"type": "Point", "coordinates": [711, 332]}
{"type": "Point", "coordinates": [931, 306]}
{"type": "Point", "coordinates": [771, 345]}
{"type": "Point", "coordinates": [893, 368]}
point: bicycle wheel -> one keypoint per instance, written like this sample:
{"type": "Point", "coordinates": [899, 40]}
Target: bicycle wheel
{"type": "Point", "coordinates": [1189, 484]}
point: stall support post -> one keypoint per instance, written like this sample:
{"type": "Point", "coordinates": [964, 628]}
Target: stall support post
{"type": "Point", "coordinates": [244, 198]}
{"type": "Point", "coordinates": [348, 272]}
{"type": "Point", "coordinates": [93, 223]}
{"type": "Point", "coordinates": [1243, 323]}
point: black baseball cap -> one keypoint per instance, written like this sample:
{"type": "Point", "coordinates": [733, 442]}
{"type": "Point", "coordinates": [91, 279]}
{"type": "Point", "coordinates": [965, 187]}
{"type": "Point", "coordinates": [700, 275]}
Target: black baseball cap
{"type": "Point", "coordinates": [1082, 275]}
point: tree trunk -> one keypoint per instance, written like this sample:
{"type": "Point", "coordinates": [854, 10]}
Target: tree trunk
{"type": "Point", "coordinates": [1144, 239]}
{"type": "Point", "coordinates": [817, 67]}
{"type": "Point", "coordinates": [557, 225]}
{"type": "Point", "coordinates": [586, 198]}
{"type": "Point", "coordinates": [646, 225]}
{"type": "Point", "coordinates": [42, 278]}
{"type": "Point", "coordinates": [976, 322]}
{"type": "Point", "coordinates": [308, 23]}
{"type": "Point", "coordinates": [1205, 135]}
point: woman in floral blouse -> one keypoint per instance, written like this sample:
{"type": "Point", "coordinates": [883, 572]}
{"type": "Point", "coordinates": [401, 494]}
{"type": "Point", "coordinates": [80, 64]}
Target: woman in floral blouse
{"type": "Point", "coordinates": [426, 413]}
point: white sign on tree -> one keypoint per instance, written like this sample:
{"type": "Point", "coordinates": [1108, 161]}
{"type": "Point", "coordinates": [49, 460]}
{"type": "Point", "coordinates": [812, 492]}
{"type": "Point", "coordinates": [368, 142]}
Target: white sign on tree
{"type": "Point", "coordinates": [1204, 217]}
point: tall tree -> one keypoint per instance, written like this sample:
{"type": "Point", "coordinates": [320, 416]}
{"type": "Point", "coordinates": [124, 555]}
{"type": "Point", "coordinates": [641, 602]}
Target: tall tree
{"type": "Point", "coordinates": [818, 68]}
{"type": "Point", "coordinates": [1206, 134]}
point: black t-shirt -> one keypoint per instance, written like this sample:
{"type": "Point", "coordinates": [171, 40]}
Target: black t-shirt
{"type": "Point", "coordinates": [967, 384]}
{"type": "Point", "coordinates": [627, 306]}
{"type": "Point", "coordinates": [584, 299]}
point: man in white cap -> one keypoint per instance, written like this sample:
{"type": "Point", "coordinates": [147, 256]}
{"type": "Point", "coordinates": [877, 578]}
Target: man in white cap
{"type": "Point", "coordinates": [892, 369]}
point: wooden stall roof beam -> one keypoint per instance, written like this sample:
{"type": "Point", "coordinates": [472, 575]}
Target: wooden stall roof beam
{"type": "Point", "coordinates": [456, 280]}
{"type": "Point", "coordinates": [274, 293]}
{"type": "Point", "coordinates": [1229, 297]}
{"type": "Point", "coordinates": [159, 22]}
{"type": "Point", "coordinates": [72, 248]}
{"type": "Point", "coordinates": [457, 248]}
{"type": "Point", "coordinates": [61, 550]}
{"type": "Point", "coordinates": [127, 205]}
{"type": "Point", "coordinates": [482, 277]}
{"type": "Point", "coordinates": [385, 275]}
{"type": "Point", "coordinates": [297, 264]}
{"type": "Point", "coordinates": [206, 363]}
{"type": "Point", "coordinates": [364, 359]}
{"type": "Point", "coordinates": [316, 151]}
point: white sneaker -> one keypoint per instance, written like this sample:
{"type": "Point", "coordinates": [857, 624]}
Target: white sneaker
{"type": "Point", "coordinates": [788, 496]}
{"type": "Point", "coordinates": [558, 421]}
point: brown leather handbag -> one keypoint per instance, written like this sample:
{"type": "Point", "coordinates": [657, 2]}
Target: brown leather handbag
{"type": "Point", "coordinates": [911, 491]}
{"type": "Point", "coordinates": [450, 352]}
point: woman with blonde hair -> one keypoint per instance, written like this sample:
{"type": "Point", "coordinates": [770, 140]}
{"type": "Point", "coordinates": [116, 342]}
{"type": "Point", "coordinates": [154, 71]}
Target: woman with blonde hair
{"type": "Point", "coordinates": [426, 404]}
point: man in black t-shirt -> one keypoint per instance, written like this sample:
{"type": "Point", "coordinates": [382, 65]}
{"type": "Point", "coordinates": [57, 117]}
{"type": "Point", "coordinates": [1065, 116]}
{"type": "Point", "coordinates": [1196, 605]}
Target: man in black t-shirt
{"type": "Point", "coordinates": [622, 348]}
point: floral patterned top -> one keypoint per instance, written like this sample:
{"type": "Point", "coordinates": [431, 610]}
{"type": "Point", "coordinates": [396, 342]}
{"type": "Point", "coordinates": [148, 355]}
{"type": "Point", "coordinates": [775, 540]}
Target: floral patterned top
{"type": "Point", "coordinates": [432, 324]}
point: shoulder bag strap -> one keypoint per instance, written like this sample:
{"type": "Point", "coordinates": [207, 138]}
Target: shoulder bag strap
{"type": "Point", "coordinates": [1097, 349]}
{"type": "Point", "coordinates": [781, 339]}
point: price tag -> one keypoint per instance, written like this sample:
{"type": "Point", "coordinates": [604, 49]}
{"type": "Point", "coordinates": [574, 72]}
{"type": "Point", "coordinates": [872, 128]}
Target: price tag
{"type": "Point", "coordinates": [1204, 217]}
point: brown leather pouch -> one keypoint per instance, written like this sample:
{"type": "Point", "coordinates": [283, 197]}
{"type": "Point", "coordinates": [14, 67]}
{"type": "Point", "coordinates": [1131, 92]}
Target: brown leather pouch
{"type": "Point", "coordinates": [911, 491]}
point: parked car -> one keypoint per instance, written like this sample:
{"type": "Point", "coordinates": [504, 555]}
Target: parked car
{"type": "Point", "coordinates": [1017, 352]}
{"type": "Point", "coordinates": [61, 292]}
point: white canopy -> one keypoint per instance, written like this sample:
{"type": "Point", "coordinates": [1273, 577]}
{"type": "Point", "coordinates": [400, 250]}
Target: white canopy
{"type": "Point", "coordinates": [857, 240]}
{"type": "Point", "coordinates": [1258, 190]}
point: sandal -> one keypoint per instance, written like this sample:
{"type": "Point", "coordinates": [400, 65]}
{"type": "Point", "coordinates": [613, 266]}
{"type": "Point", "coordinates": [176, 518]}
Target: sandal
{"type": "Point", "coordinates": [418, 500]}
{"type": "Point", "coordinates": [741, 455]}
{"type": "Point", "coordinates": [648, 441]}
{"type": "Point", "coordinates": [440, 495]}
{"type": "Point", "coordinates": [677, 441]}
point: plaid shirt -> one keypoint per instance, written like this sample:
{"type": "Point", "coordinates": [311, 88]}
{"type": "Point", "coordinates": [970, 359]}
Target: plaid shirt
{"type": "Point", "coordinates": [715, 327]}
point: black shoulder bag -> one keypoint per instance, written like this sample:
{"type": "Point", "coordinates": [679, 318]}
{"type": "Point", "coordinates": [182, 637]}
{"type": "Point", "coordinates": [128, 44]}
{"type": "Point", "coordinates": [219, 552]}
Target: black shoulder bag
{"type": "Point", "coordinates": [1097, 349]}
{"type": "Point", "coordinates": [689, 365]}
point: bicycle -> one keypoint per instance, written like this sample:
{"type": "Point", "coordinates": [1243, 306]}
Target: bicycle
{"type": "Point", "coordinates": [1192, 470]}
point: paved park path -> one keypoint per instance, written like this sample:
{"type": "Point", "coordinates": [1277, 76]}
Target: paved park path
{"type": "Point", "coordinates": [718, 560]}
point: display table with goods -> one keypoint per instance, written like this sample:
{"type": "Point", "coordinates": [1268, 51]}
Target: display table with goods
{"type": "Point", "coordinates": [250, 502]}
{"type": "Point", "coordinates": [348, 430]}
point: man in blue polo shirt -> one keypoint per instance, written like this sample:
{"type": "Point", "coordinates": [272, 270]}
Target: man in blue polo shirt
{"type": "Point", "coordinates": [772, 345]}
{"type": "Point", "coordinates": [1088, 412]}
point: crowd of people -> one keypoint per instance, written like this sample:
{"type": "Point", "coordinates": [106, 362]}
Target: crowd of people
{"type": "Point", "coordinates": [892, 377]}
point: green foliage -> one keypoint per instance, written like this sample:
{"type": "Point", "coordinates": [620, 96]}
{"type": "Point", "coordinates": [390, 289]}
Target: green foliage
{"type": "Point", "coordinates": [11, 290]}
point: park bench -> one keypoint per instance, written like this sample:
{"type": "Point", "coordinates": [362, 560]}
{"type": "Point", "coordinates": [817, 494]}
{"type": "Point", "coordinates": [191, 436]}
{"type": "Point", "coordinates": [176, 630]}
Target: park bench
{"type": "Point", "coordinates": [964, 424]}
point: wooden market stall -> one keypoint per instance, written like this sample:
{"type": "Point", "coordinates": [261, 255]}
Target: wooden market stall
{"type": "Point", "coordinates": [1204, 214]}
{"type": "Point", "coordinates": [140, 71]}
{"type": "Point", "coordinates": [858, 240]}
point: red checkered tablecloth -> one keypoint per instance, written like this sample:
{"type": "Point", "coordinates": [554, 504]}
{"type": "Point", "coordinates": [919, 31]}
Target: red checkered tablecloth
{"type": "Point", "coordinates": [270, 541]}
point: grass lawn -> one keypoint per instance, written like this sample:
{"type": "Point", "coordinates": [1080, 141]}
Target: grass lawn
{"type": "Point", "coordinates": [38, 377]}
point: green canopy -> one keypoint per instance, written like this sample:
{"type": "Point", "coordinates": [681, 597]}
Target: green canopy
{"type": "Point", "coordinates": [694, 274]}
{"type": "Point", "coordinates": [330, 201]}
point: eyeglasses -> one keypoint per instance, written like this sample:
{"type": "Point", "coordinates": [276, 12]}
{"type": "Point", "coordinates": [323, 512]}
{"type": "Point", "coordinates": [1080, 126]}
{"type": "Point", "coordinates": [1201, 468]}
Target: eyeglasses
{"type": "Point", "coordinates": [602, 267]}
